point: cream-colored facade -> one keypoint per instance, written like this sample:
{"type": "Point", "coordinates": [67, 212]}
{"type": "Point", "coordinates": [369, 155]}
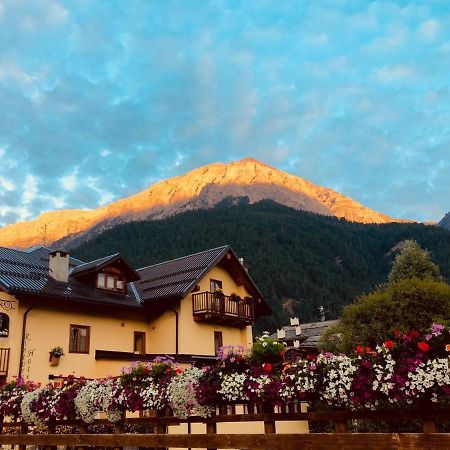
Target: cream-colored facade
{"type": "Point", "coordinates": [111, 329]}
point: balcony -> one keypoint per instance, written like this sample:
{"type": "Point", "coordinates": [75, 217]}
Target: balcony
{"type": "Point", "coordinates": [218, 308]}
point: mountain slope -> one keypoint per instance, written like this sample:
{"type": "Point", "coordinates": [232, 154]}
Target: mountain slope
{"type": "Point", "coordinates": [198, 189]}
{"type": "Point", "coordinates": [298, 259]}
{"type": "Point", "coordinates": [445, 222]}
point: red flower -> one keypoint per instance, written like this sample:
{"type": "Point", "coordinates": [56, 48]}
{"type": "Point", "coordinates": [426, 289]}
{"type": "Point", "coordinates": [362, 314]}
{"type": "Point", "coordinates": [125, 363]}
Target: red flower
{"type": "Point", "coordinates": [360, 349]}
{"type": "Point", "coordinates": [413, 334]}
{"type": "Point", "coordinates": [423, 346]}
{"type": "Point", "coordinates": [389, 344]}
{"type": "Point", "coordinates": [267, 367]}
{"type": "Point", "coordinates": [396, 333]}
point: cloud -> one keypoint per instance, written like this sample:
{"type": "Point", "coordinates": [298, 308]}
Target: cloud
{"type": "Point", "coordinates": [395, 72]}
{"type": "Point", "coordinates": [105, 98]}
{"type": "Point", "coordinates": [429, 29]}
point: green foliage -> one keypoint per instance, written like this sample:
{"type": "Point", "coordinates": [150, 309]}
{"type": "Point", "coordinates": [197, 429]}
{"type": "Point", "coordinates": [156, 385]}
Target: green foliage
{"type": "Point", "coordinates": [266, 350]}
{"type": "Point", "coordinates": [410, 304]}
{"type": "Point", "coordinates": [413, 262]}
{"type": "Point", "coordinates": [299, 260]}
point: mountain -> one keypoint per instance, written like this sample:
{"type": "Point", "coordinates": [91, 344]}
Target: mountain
{"type": "Point", "coordinates": [299, 260]}
{"type": "Point", "coordinates": [445, 222]}
{"type": "Point", "coordinates": [199, 189]}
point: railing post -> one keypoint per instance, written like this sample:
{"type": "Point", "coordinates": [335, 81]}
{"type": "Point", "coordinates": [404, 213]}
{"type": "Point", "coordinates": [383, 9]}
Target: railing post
{"type": "Point", "coordinates": [211, 428]}
{"type": "Point", "coordinates": [83, 430]}
{"type": "Point", "coordinates": [429, 426]}
{"type": "Point", "coordinates": [161, 428]}
{"type": "Point", "coordinates": [118, 428]}
{"type": "Point", "coordinates": [340, 426]}
{"type": "Point", "coordinates": [23, 430]}
{"type": "Point", "coordinates": [51, 430]}
{"type": "Point", "coordinates": [269, 425]}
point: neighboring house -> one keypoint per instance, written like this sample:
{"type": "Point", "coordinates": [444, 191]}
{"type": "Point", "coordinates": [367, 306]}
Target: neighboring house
{"type": "Point", "coordinates": [302, 339]}
{"type": "Point", "coordinates": [104, 314]}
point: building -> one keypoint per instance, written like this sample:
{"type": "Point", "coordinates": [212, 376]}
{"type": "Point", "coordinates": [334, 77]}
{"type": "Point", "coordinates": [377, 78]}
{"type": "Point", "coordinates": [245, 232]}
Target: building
{"type": "Point", "coordinates": [302, 339]}
{"type": "Point", "coordinates": [104, 313]}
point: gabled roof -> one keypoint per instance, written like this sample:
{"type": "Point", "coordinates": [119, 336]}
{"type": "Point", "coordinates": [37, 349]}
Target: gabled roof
{"type": "Point", "coordinates": [178, 277]}
{"type": "Point", "coordinates": [98, 264]}
{"type": "Point", "coordinates": [175, 278]}
{"type": "Point", "coordinates": [27, 273]}
{"type": "Point", "coordinates": [310, 333]}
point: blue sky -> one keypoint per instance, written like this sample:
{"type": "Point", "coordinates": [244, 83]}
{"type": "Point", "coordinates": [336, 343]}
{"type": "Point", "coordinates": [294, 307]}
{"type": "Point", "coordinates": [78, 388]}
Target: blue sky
{"type": "Point", "coordinates": [100, 99]}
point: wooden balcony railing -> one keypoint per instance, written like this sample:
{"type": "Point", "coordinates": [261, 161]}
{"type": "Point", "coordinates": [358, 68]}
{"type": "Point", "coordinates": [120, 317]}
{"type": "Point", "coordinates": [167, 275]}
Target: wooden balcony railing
{"type": "Point", "coordinates": [219, 308]}
{"type": "Point", "coordinates": [153, 431]}
{"type": "Point", "coordinates": [4, 361]}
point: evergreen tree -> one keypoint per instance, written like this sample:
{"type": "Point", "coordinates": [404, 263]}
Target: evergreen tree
{"type": "Point", "coordinates": [413, 262]}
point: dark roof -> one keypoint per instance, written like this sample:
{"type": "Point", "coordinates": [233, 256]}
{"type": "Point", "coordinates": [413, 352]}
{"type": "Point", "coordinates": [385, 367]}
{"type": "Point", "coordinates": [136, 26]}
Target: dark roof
{"type": "Point", "coordinates": [310, 333]}
{"type": "Point", "coordinates": [97, 264]}
{"type": "Point", "coordinates": [175, 278]}
{"type": "Point", "coordinates": [27, 273]}
{"type": "Point", "coordinates": [178, 277]}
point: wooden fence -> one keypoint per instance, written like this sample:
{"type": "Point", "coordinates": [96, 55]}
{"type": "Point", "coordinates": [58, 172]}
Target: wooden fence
{"type": "Point", "coordinates": [153, 432]}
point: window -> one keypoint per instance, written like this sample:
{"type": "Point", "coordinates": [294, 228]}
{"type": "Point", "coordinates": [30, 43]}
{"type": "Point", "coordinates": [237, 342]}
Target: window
{"type": "Point", "coordinates": [4, 325]}
{"type": "Point", "coordinates": [110, 281]}
{"type": "Point", "coordinates": [139, 343]}
{"type": "Point", "coordinates": [218, 341]}
{"type": "Point", "coordinates": [214, 285]}
{"type": "Point", "coordinates": [79, 339]}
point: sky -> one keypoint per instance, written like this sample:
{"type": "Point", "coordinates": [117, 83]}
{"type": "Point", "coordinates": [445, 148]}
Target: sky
{"type": "Point", "coordinates": [101, 99]}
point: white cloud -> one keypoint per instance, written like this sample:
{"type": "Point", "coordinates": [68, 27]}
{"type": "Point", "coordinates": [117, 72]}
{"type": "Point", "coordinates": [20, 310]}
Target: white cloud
{"type": "Point", "coordinates": [6, 184]}
{"type": "Point", "coordinates": [11, 71]}
{"type": "Point", "coordinates": [69, 182]}
{"type": "Point", "coordinates": [429, 29]}
{"type": "Point", "coordinates": [30, 189]}
{"type": "Point", "coordinates": [395, 72]}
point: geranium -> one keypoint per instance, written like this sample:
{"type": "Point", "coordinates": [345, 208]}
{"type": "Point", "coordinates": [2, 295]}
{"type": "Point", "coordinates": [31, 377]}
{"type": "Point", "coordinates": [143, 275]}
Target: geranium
{"type": "Point", "coordinates": [389, 344]}
{"type": "Point", "coordinates": [423, 346]}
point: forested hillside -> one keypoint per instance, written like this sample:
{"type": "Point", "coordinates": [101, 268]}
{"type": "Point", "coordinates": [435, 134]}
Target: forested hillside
{"type": "Point", "coordinates": [299, 260]}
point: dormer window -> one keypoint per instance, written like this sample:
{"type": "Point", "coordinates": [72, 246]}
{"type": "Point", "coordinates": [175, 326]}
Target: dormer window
{"type": "Point", "coordinates": [110, 281]}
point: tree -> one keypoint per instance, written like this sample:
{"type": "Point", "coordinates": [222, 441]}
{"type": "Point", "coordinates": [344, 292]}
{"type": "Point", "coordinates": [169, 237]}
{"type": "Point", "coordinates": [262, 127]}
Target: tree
{"type": "Point", "coordinates": [414, 297]}
{"type": "Point", "coordinates": [413, 262]}
{"type": "Point", "coordinates": [410, 304]}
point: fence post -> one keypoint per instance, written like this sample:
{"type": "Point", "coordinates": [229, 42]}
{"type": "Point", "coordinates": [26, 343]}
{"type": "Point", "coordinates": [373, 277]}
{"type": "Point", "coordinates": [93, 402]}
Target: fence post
{"type": "Point", "coordinates": [118, 428]}
{"type": "Point", "coordinates": [269, 425]}
{"type": "Point", "coordinates": [161, 428]}
{"type": "Point", "coordinates": [340, 426]}
{"type": "Point", "coordinates": [51, 430]}
{"type": "Point", "coordinates": [429, 426]}
{"type": "Point", "coordinates": [83, 430]}
{"type": "Point", "coordinates": [23, 430]}
{"type": "Point", "coordinates": [211, 428]}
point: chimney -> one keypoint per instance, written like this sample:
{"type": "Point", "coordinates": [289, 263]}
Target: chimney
{"type": "Point", "coordinates": [294, 321]}
{"type": "Point", "coordinates": [281, 334]}
{"type": "Point", "coordinates": [58, 265]}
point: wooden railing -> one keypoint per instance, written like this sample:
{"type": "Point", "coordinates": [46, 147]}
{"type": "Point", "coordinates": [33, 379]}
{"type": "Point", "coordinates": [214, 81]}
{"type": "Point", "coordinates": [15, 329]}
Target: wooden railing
{"type": "Point", "coordinates": [4, 361]}
{"type": "Point", "coordinates": [213, 307]}
{"type": "Point", "coordinates": [75, 433]}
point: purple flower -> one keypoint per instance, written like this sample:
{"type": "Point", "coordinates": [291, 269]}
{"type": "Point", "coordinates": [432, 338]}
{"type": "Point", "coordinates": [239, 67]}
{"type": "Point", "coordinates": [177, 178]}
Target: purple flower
{"type": "Point", "coordinates": [437, 329]}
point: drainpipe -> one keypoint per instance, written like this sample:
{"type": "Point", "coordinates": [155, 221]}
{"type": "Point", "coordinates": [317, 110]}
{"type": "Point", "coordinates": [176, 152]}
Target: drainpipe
{"type": "Point", "coordinates": [22, 345]}
{"type": "Point", "coordinates": [176, 329]}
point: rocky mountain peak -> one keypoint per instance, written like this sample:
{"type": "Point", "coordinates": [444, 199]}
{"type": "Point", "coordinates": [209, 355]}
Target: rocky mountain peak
{"type": "Point", "coordinates": [203, 187]}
